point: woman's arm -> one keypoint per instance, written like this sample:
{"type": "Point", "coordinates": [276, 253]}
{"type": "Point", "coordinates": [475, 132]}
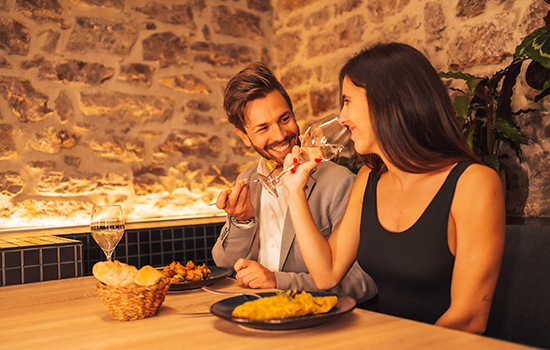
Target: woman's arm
{"type": "Point", "coordinates": [479, 219]}
{"type": "Point", "coordinates": [327, 261]}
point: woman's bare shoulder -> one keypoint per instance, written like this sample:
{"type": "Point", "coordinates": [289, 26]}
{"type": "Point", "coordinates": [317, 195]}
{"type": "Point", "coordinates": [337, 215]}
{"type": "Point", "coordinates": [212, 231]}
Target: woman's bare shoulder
{"type": "Point", "coordinates": [479, 188]}
{"type": "Point", "coordinates": [479, 175]}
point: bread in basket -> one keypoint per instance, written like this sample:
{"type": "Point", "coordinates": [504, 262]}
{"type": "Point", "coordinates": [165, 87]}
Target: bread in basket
{"type": "Point", "coordinates": [130, 294]}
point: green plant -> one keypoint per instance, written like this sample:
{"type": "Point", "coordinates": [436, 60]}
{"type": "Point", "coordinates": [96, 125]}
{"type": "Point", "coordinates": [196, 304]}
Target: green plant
{"type": "Point", "coordinates": [478, 115]}
{"type": "Point", "coordinates": [485, 112]}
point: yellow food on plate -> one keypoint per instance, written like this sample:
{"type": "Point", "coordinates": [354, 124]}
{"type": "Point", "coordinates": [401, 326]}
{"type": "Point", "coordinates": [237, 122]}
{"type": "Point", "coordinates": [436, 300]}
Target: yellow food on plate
{"type": "Point", "coordinates": [282, 305]}
{"type": "Point", "coordinates": [190, 272]}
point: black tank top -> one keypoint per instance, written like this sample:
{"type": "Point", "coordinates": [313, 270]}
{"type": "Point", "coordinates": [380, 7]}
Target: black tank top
{"type": "Point", "coordinates": [412, 269]}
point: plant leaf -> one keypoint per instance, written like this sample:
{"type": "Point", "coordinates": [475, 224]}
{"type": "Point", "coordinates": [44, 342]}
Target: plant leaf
{"type": "Point", "coordinates": [536, 46]}
{"type": "Point", "coordinates": [492, 161]}
{"type": "Point", "coordinates": [471, 80]}
{"type": "Point", "coordinates": [461, 104]}
{"type": "Point", "coordinates": [469, 134]}
{"type": "Point", "coordinates": [510, 132]}
{"type": "Point", "coordinates": [507, 89]}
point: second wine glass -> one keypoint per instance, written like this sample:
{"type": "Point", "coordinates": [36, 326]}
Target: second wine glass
{"type": "Point", "coordinates": [107, 227]}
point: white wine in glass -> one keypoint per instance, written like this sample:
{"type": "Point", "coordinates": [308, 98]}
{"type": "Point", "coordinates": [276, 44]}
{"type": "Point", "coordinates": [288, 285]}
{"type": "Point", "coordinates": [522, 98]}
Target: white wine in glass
{"type": "Point", "coordinates": [107, 227]}
{"type": "Point", "coordinates": [324, 139]}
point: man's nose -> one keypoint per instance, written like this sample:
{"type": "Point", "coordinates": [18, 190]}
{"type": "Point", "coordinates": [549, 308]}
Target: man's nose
{"type": "Point", "coordinates": [278, 133]}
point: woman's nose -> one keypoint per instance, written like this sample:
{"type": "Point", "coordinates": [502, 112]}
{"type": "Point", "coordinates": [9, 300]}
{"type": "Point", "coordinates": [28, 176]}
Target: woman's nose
{"type": "Point", "coordinates": [342, 118]}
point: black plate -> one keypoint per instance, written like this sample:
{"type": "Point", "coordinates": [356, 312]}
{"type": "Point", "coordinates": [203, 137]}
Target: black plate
{"type": "Point", "coordinates": [224, 309]}
{"type": "Point", "coordinates": [216, 273]}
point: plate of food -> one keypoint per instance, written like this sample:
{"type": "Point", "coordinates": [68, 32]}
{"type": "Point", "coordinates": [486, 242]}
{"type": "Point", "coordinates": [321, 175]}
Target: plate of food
{"type": "Point", "coordinates": [283, 310]}
{"type": "Point", "coordinates": [191, 276]}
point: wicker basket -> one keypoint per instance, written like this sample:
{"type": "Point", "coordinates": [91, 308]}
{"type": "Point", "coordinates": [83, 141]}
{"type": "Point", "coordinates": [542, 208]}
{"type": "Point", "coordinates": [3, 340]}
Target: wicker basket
{"type": "Point", "coordinates": [133, 303]}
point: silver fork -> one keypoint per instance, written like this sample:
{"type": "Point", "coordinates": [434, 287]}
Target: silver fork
{"type": "Point", "coordinates": [214, 203]}
{"type": "Point", "coordinates": [205, 288]}
{"type": "Point", "coordinates": [268, 175]}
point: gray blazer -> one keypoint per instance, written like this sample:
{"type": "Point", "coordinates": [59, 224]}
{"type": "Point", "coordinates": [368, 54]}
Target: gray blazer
{"type": "Point", "coordinates": [328, 192]}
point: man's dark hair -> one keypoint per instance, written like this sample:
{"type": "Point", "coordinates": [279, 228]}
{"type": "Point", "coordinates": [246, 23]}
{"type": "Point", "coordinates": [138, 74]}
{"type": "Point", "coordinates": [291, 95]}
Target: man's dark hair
{"type": "Point", "coordinates": [253, 82]}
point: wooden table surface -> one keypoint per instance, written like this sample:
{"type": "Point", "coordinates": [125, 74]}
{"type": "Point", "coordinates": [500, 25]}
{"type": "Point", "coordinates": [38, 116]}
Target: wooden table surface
{"type": "Point", "coordinates": [68, 314]}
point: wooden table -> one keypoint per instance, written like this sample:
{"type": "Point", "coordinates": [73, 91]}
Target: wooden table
{"type": "Point", "coordinates": [68, 314]}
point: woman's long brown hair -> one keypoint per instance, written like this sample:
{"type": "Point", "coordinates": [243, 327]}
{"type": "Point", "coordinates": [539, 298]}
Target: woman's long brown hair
{"type": "Point", "coordinates": [410, 109]}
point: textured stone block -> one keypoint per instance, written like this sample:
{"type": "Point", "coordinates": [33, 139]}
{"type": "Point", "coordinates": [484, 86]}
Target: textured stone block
{"type": "Point", "coordinates": [493, 43]}
{"type": "Point", "coordinates": [117, 148]}
{"type": "Point", "coordinates": [237, 23]}
{"type": "Point", "coordinates": [60, 183]}
{"type": "Point", "coordinates": [51, 141]}
{"type": "Point", "coordinates": [380, 9]}
{"type": "Point", "coordinates": [260, 5]}
{"type": "Point", "coordinates": [178, 14]}
{"type": "Point", "coordinates": [117, 4]}
{"type": "Point", "coordinates": [121, 107]}
{"type": "Point", "coordinates": [323, 100]}
{"type": "Point", "coordinates": [167, 49]}
{"type": "Point", "coordinates": [11, 183]}
{"type": "Point", "coordinates": [14, 37]}
{"type": "Point", "coordinates": [186, 83]}
{"type": "Point", "coordinates": [4, 63]}
{"type": "Point", "coordinates": [102, 35]}
{"type": "Point", "coordinates": [222, 54]}
{"type": "Point", "coordinates": [75, 71]}
{"type": "Point", "coordinates": [41, 11]}
{"type": "Point", "coordinates": [470, 8]}
{"type": "Point", "coordinates": [199, 105]}
{"type": "Point", "coordinates": [26, 103]}
{"type": "Point", "coordinates": [342, 35]}
{"type": "Point", "coordinates": [64, 107]}
{"type": "Point", "coordinates": [136, 73]}
{"type": "Point", "coordinates": [8, 149]}
{"type": "Point", "coordinates": [192, 144]}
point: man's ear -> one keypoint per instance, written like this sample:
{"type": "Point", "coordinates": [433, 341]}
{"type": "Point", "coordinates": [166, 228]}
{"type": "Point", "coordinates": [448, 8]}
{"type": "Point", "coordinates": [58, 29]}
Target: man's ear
{"type": "Point", "coordinates": [243, 137]}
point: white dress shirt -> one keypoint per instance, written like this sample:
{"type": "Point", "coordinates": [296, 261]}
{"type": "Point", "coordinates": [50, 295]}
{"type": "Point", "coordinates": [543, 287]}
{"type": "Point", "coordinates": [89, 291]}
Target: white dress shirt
{"type": "Point", "coordinates": [271, 219]}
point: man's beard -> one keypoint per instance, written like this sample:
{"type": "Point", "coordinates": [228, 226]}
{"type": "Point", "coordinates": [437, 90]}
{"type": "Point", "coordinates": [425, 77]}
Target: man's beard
{"type": "Point", "coordinates": [264, 152]}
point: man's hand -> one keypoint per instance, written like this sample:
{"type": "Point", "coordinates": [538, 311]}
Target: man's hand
{"type": "Point", "coordinates": [236, 202]}
{"type": "Point", "coordinates": [252, 274]}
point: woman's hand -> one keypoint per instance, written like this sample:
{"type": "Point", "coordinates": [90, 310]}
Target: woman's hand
{"type": "Point", "coordinates": [296, 179]}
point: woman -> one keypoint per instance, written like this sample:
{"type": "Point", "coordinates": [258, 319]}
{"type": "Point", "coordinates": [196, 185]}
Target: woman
{"type": "Point", "coordinates": [425, 219]}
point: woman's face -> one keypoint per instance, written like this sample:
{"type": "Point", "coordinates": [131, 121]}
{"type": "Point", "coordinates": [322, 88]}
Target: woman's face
{"type": "Point", "coordinates": [355, 115]}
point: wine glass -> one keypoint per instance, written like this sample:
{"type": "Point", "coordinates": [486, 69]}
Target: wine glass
{"type": "Point", "coordinates": [324, 139]}
{"type": "Point", "coordinates": [107, 227]}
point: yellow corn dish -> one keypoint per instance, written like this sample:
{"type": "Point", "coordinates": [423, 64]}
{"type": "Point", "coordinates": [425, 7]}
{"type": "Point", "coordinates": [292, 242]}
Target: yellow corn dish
{"type": "Point", "coordinates": [282, 305]}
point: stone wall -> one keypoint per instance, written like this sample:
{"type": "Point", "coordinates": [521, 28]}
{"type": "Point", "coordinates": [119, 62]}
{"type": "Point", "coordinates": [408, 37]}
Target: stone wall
{"type": "Point", "coordinates": [314, 38]}
{"type": "Point", "coordinates": [105, 101]}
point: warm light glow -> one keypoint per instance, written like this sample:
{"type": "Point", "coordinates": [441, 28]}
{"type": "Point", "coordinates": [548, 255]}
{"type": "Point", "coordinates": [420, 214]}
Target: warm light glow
{"type": "Point", "coordinates": [181, 203]}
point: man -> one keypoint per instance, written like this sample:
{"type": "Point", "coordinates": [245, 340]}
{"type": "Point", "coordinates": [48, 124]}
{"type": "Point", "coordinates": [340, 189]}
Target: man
{"type": "Point", "coordinates": [258, 239]}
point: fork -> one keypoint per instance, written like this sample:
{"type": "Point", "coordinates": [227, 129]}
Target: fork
{"type": "Point", "coordinates": [268, 175]}
{"type": "Point", "coordinates": [205, 288]}
{"type": "Point", "coordinates": [214, 203]}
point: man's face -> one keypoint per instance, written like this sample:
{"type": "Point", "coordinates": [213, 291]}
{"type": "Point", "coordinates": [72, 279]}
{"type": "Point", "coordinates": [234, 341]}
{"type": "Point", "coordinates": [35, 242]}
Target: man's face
{"type": "Point", "coordinates": [271, 127]}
